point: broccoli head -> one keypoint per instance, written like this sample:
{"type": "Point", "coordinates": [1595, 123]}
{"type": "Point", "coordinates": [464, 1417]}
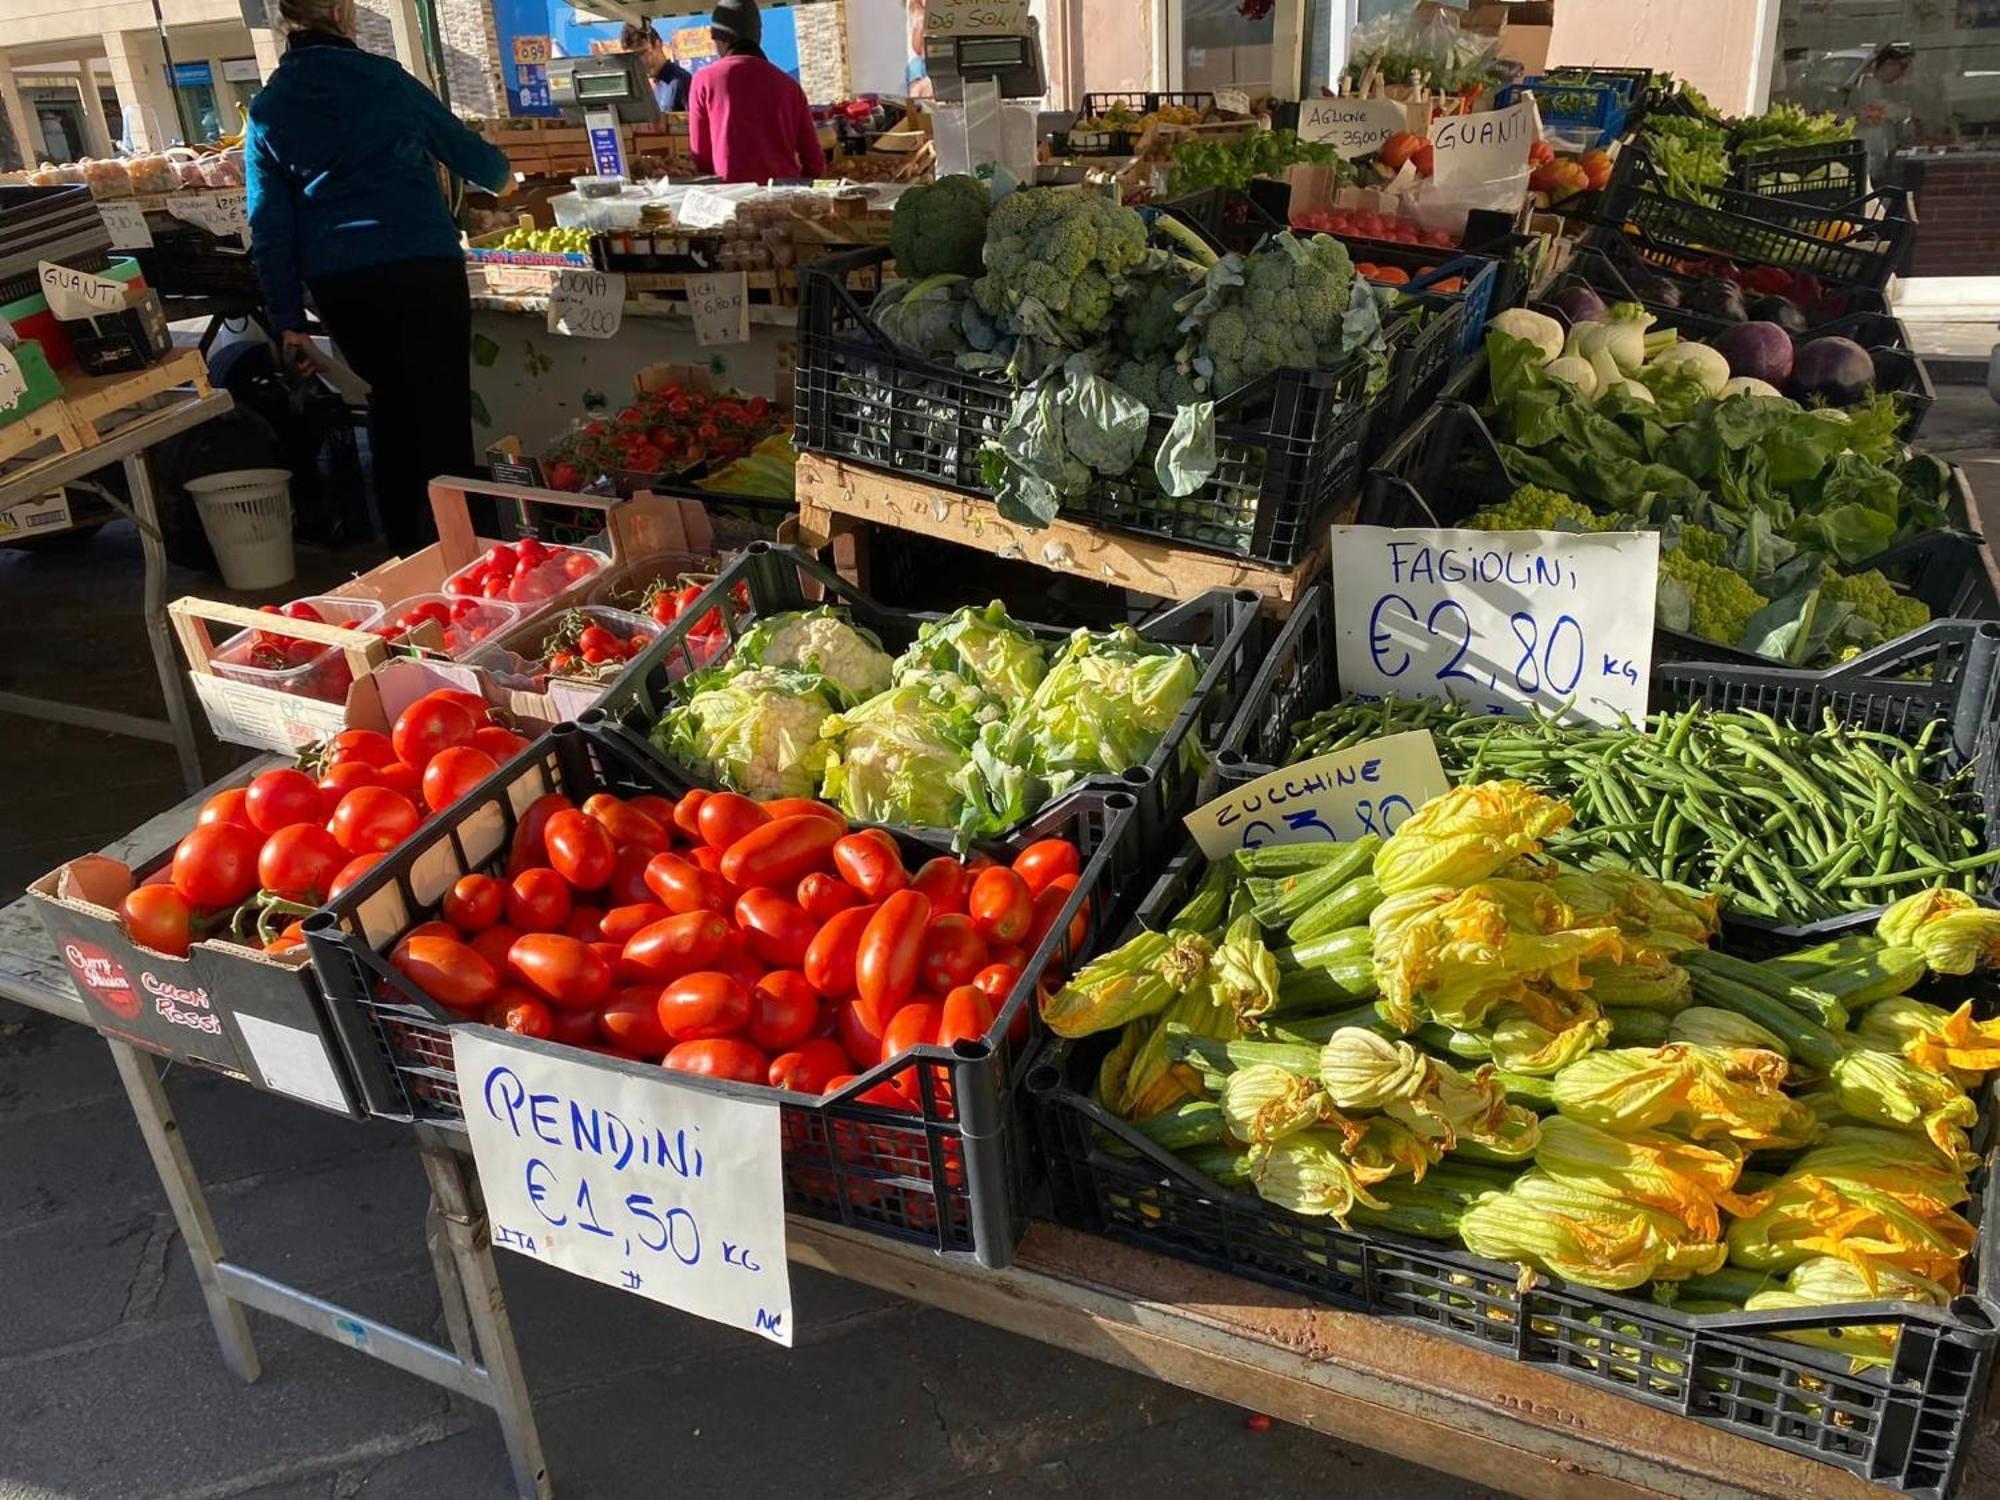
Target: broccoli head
{"type": "Point", "coordinates": [1279, 307]}
{"type": "Point", "coordinates": [1055, 260]}
{"type": "Point", "coordinates": [939, 228]}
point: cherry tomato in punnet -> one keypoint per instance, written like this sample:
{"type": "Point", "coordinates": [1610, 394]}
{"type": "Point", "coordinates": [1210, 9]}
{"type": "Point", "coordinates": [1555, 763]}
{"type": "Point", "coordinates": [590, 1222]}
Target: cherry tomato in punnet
{"type": "Point", "coordinates": [1045, 859]}
{"type": "Point", "coordinates": [810, 1068]}
{"type": "Point", "coordinates": [563, 971]}
{"type": "Point", "coordinates": [159, 917]}
{"type": "Point", "coordinates": [341, 779]}
{"type": "Point", "coordinates": [724, 817]}
{"type": "Point", "coordinates": [1001, 905]}
{"type": "Point", "coordinates": [474, 903]}
{"type": "Point", "coordinates": [859, 1032]}
{"type": "Point", "coordinates": [719, 1057]}
{"type": "Point", "coordinates": [429, 725]}
{"type": "Point", "coordinates": [623, 923]}
{"type": "Point", "coordinates": [630, 1021]}
{"type": "Point", "coordinates": [373, 819]}
{"type": "Point", "coordinates": [953, 952]}
{"type": "Point", "coordinates": [518, 1011]}
{"type": "Point", "coordinates": [778, 931]}
{"type": "Point", "coordinates": [226, 807]}
{"type": "Point", "coordinates": [705, 1004]}
{"type": "Point", "coordinates": [829, 961]}
{"type": "Point", "coordinates": [783, 1010]}
{"type": "Point", "coordinates": [526, 851]}
{"type": "Point", "coordinates": [580, 850]}
{"type": "Point", "coordinates": [502, 744]}
{"type": "Point", "coordinates": [368, 747]}
{"type": "Point", "coordinates": [350, 872]}
{"type": "Point", "coordinates": [453, 772]}
{"type": "Point", "coordinates": [494, 943]}
{"type": "Point", "coordinates": [447, 970]}
{"type": "Point", "coordinates": [624, 823]}
{"type": "Point", "coordinates": [968, 1015]}
{"type": "Point", "coordinates": [779, 853]}
{"type": "Point", "coordinates": [676, 945]}
{"type": "Point", "coordinates": [885, 965]}
{"type": "Point", "coordinates": [215, 864]}
{"type": "Point", "coordinates": [278, 799]}
{"type": "Point", "coordinates": [687, 812]}
{"type": "Point", "coordinates": [538, 900]}
{"type": "Point", "coordinates": [945, 881]}
{"type": "Point", "coordinates": [810, 807]}
{"type": "Point", "coordinates": [582, 923]}
{"type": "Point", "coordinates": [684, 887]}
{"type": "Point", "coordinates": [1048, 909]}
{"type": "Point", "coordinates": [820, 895]}
{"type": "Point", "coordinates": [871, 863]}
{"type": "Point", "coordinates": [298, 862]}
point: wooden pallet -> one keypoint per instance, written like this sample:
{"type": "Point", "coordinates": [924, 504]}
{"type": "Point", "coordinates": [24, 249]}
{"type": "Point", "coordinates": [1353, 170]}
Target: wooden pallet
{"type": "Point", "coordinates": [836, 499]}
{"type": "Point", "coordinates": [94, 402]}
{"type": "Point", "coordinates": [48, 423]}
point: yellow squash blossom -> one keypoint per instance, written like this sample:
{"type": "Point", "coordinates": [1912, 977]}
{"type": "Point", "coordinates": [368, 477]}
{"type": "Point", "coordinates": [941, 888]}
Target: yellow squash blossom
{"type": "Point", "coordinates": [1955, 934]}
{"type": "Point", "coordinates": [1828, 1281]}
{"type": "Point", "coordinates": [1609, 1242]}
{"type": "Point", "coordinates": [1467, 834]}
{"type": "Point", "coordinates": [1945, 1041]}
{"type": "Point", "coordinates": [1886, 1088]}
{"type": "Point", "coordinates": [1703, 1093]}
{"type": "Point", "coordinates": [1647, 1166]}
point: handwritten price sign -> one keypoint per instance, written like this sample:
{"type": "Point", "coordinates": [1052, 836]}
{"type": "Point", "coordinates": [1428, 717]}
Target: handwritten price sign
{"type": "Point", "coordinates": [1353, 127]}
{"type": "Point", "coordinates": [221, 214]}
{"type": "Point", "coordinates": [1502, 621]}
{"type": "Point", "coordinates": [586, 304]}
{"type": "Point", "coordinates": [127, 224]}
{"type": "Point", "coordinates": [617, 1173]}
{"type": "Point", "coordinates": [976, 17]}
{"type": "Point", "coordinates": [1367, 788]}
{"type": "Point", "coordinates": [720, 305]}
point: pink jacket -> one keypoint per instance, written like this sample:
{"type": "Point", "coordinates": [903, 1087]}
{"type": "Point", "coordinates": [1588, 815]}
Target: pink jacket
{"type": "Point", "coordinates": [748, 121]}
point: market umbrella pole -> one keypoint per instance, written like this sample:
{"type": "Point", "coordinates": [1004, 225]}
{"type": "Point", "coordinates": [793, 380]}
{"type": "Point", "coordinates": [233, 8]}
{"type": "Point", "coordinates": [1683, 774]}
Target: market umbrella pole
{"type": "Point", "coordinates": [173, 84]}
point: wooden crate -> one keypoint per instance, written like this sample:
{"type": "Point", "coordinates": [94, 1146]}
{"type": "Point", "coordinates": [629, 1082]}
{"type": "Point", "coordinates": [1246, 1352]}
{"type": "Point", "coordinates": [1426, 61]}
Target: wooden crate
{"type": "Point", "coordinates": [46, 425]}
{"type": "Point", "coordinates": [98, 403]}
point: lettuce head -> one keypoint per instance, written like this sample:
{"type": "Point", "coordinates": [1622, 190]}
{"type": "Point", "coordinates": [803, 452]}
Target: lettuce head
{"type": "Point", "coordinates": [755, 730]}
{"type": "Point", "coordinates": [1105, 705]}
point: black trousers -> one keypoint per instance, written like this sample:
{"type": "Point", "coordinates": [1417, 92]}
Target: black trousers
{"type": "Point", "coordinates": [406, 329]}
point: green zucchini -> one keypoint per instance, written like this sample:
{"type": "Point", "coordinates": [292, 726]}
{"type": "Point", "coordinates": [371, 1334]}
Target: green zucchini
{"type": "Point", "coordinates": [1638, 1028]}
{"type": "Point", "coordinates": [1337, 910]}
{"type": "Point", "coordinates": [1813, 1045]}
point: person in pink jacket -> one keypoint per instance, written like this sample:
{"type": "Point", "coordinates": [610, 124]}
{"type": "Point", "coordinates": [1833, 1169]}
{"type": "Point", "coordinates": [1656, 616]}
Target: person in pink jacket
{"type": "Point", "coordinates": [748, 120]}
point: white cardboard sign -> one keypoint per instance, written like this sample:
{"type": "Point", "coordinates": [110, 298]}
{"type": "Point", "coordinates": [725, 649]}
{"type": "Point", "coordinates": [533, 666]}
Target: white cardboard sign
{"type": "Point", "coordinates": [1488, 146]}
{"type": "Point", "coordinates": [586, 304]}
{"type": "Point", "coordinates": [976, 17]}
{"type": "Point", "coordinates": [1367, 788]}
{"type": "Point", "coordinates": [78, 294]}
{"type": "Point", "coordinates": [623, 1176]}
{"type": "Point", "coordinates": [1353, 127]}
{"type": "Point", "coordinates": [221, 213]}
{"type": "Point", "coordinates": [1500, 621]}
{"type": "Point", "coordinates": [13, 384]}
{"type": "Point", "coordinates": [719, 303]}
{"type": "Point", "coordinates": [127, 223]}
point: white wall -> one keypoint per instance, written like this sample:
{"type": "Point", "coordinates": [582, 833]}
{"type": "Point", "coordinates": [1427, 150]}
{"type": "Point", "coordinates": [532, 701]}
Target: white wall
{"type": "Point", "coordinates": [877, 46]}
{"type": "Point", "coordinates": [1716, 45]}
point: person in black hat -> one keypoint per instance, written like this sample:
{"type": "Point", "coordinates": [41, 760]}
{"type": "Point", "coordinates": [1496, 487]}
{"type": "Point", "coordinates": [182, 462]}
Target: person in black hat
{"type": "Point", "coordinates": [748, 121]}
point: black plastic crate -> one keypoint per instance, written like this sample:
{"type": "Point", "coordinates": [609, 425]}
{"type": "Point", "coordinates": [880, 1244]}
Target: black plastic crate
{"type": "Point", "coordinates": [1630, 251]}
{"type": "Point", "coordinates": [1222, 625]}
{"type": "Point", "coordinates": [1786, 172]}
{"type": "Point", "coordinates": [1862, 242]}
{"type": "Point", "coordinates": [1288, 445]}
{"type": "Point", "coordinates": [1141, 102]}
{"type": "Point", "coordinates": [954, 1176]}
{"type": "Point", "coordinates": [1909, 1428]}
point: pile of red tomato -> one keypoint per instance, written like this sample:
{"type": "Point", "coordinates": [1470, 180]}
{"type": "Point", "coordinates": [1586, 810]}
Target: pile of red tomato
{"type": "Point", "coordinates": [525, 572]}
{"type": "Point", "coordinates": [262, 854]}
{"type": "Point", "coordinates": [1367, 224]}
{"type": "Point", "coordinates": [759, 942]}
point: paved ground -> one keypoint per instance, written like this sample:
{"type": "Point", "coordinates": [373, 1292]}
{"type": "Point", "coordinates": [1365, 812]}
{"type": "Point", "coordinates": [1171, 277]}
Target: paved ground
{"type": "Point", "coordinates": [110, 1384]}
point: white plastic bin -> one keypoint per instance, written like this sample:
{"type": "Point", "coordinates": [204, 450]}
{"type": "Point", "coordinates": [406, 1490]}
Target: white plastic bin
{"type": "Point", "coordinates": [247, 514]}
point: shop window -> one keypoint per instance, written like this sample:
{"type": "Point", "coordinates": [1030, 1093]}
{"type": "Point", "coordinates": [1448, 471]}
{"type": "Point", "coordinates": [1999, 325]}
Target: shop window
{"type": "Point", "coordinates": [1222, 43]}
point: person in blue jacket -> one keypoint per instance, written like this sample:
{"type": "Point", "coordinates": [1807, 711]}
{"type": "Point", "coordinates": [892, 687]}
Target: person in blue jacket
{"type": "Point", "coordinates": [345, 203]}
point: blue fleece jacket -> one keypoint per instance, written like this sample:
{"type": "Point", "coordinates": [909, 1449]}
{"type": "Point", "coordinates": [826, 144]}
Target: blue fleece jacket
{"type": "Point", "coordinates": [338, 163]}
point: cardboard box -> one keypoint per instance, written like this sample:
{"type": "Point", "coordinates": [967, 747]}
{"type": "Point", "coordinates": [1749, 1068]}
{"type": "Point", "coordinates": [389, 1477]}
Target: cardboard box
{"type": "Point", "coordinates": [1525, 29]}
{"type": "Point", "coordinates": [48, 512]}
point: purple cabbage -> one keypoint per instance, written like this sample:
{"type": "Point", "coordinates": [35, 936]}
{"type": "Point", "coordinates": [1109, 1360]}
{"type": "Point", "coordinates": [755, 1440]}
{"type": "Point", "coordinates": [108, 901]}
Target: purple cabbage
{"type": "Point", "coordinates": [1762, 351]}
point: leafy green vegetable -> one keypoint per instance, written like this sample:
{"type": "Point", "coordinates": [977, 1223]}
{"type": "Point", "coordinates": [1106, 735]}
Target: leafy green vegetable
{"type": "Point", "coordinates": [981, 644]}
{"type": "Point", "coordinates": [1104, 706]}
{"type": "Point", "coordinates": [1201, 164]}
{"type": "Point", "coordinates": [755, 731]}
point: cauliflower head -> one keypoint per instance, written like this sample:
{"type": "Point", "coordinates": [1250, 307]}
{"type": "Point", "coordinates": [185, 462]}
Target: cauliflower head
{"type": "Point", "coordinates": [823, 643]}
{"type": "Point", "coordinates": [939, 228]}
{"type": "Point", "coordinates": [756, 731]}
{"type": "Point", "coordinates": [980, 646]}
{"type": "Point", "coordinates": [897, 758]}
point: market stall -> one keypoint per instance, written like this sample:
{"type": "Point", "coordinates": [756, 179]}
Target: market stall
{"type": "Point", "coordinates": [1477, 938]}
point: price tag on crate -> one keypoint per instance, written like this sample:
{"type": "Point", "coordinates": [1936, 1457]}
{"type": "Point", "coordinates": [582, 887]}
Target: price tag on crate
{"type": "Point", "coordinates": [719, 302]}
{"type": "Point", "coordinates": [1366, 788]}
{"type": "Point", "coordinates": [1353, 127]}
{"type": "Point", "coordinates": [586, 304]}
{"type": "Point", "coordinates": [78, 294]}
{"type": "Point", "coordinates": [127, 223]}
{"type": "Point", "coordinates": [1233, 101]}
{"type": "Point", "coordinates": [617, 1173]}
{"type": "Point", "coordinates": [221, 214]}
{"type": "Point", "coordinates": [1501, 621]}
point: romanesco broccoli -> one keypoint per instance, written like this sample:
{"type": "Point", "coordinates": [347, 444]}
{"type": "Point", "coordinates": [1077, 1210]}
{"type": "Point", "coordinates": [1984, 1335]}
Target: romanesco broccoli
{"type": "Point", "coordinates": [939, 228]}
{"type": "Point", "coordinates": [1719, 601]}
{"type": "Point", "coordinates": [1702, 544]}
{"type": "Point", "coordinates": [1055, 259]}
{"type": "Point", "coordinates": [1535, 508]}
{"type": "Point", "coordinates": [1875, 600]}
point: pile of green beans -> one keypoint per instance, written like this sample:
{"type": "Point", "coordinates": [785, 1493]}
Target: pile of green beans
{"type": "Point", "coordinates": [1785, 824]}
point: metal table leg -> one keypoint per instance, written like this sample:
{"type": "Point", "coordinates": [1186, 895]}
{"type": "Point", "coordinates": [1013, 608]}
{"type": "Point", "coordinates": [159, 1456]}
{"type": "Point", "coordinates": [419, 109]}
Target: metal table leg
{"type": "Point", "coordinates": [139, 478]}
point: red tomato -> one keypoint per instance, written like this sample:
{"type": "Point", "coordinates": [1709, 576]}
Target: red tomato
{"type": "Point", "coordinates": [630, 1021]}
{"type": "Point", "coordinates": [829, 961]}
{"type": "Point", "coordinates": [913, 1025]}
{"type": "Point", "coordinates": [362, 746]}
{"type": "Point", "coordinates": [502, 744]}
{"type": "Point", "coordinates": [1001, 905]}
{"type": "Point", "coordinates": [526, 850]}
{"type": "Point", "coordinates": [968, 1015]}
{"type": "Point", "coordinates": [945, 880]}
{"type": "Point", "coordinates": [783, 1010]}
{"type": "Point", "coordinates": [885, 965]}
{"type": "Point", "coordinates": [453, 772]}
{"type": "Point", "coordinates": [659, 809]}
{"type": "Point", "coordinates": [226, 807]}
{"type": "Point", "coordinates": [809, 807]}
{"type": "Point", "coordinates": [724, 817]}
{"type": "Point", "coordinates": [518, 1011]}
{"type": "Point", "coordinates": [683, 887]}
{"type": "Point", "coordinates": [278, 799]}
{"type": "Point", "coordinates": [350, 872]}
{"type": "Point", "coordinates": [343, 778]}
{"type": "Point", "coordinates": [580, 850]}
{"type": "Point", "coordinates": [582, 923]}
{"type": "Point", "coordinates": [159, 917]}
{"type": "Point", "coordinates": [882, 1094]}
{"type": "Point", "coordinates": [953, 952]}
{"type": "Point", "coordinates": [778, 931]}
{"type": "Point", "coordinates": [859, 1031]}
{"type": "Point", "coordinates": [562, 970]}
{"type": "Point", "coordinates": [299, 861]}
{"type": "Point", "coordinates": [538, 901]}
{"type": "Point", "coordinates": [719, 1057]}
{"type": "Point", "coordinates": [707, 1004]}
{"type": "Point", "coordinates": [809, 1069]}
{"type": "Point", "coordinates": [820, 895]}
{"type": "Point", "coordinates": [435, 928]}
{"type": "Point", "coordinates": [625, 824]}
{"type": "Point", "coordinates": [1045, 859]}
{"type": "Point", "coordinates": [373, 819]}
{"type": "Point", "coordinates": [687, 812]}
{"type": "Point", "coordinates": [627, 886]}
{"type": "Point", "coordinates": [779, 853]}
{"type": "Point", "coordinates": [1048, 908]}
{"type": "Point", "coordinates": [216, 864]}
{"type": "Point", "coordinates": [294, 936]}
{"type": "Point", "coordinates": [494, 943]}
{"type": "Point", "coordinates": [446, 970]}
{"type": "Point", "coordinates": [623, 923]}
{"type": "Point", "coordinates": [871, 863]}
{"type": "Point", "coordinates": [474, 902]}
{"type": "Point", "coordinates": [997, 981]}
{"type": "Point", "coordinates": [673, 946]}
{"type": "Point", "coordinates": [431, 724]}
{"type": "Point", "coordinates": [401, 777]}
